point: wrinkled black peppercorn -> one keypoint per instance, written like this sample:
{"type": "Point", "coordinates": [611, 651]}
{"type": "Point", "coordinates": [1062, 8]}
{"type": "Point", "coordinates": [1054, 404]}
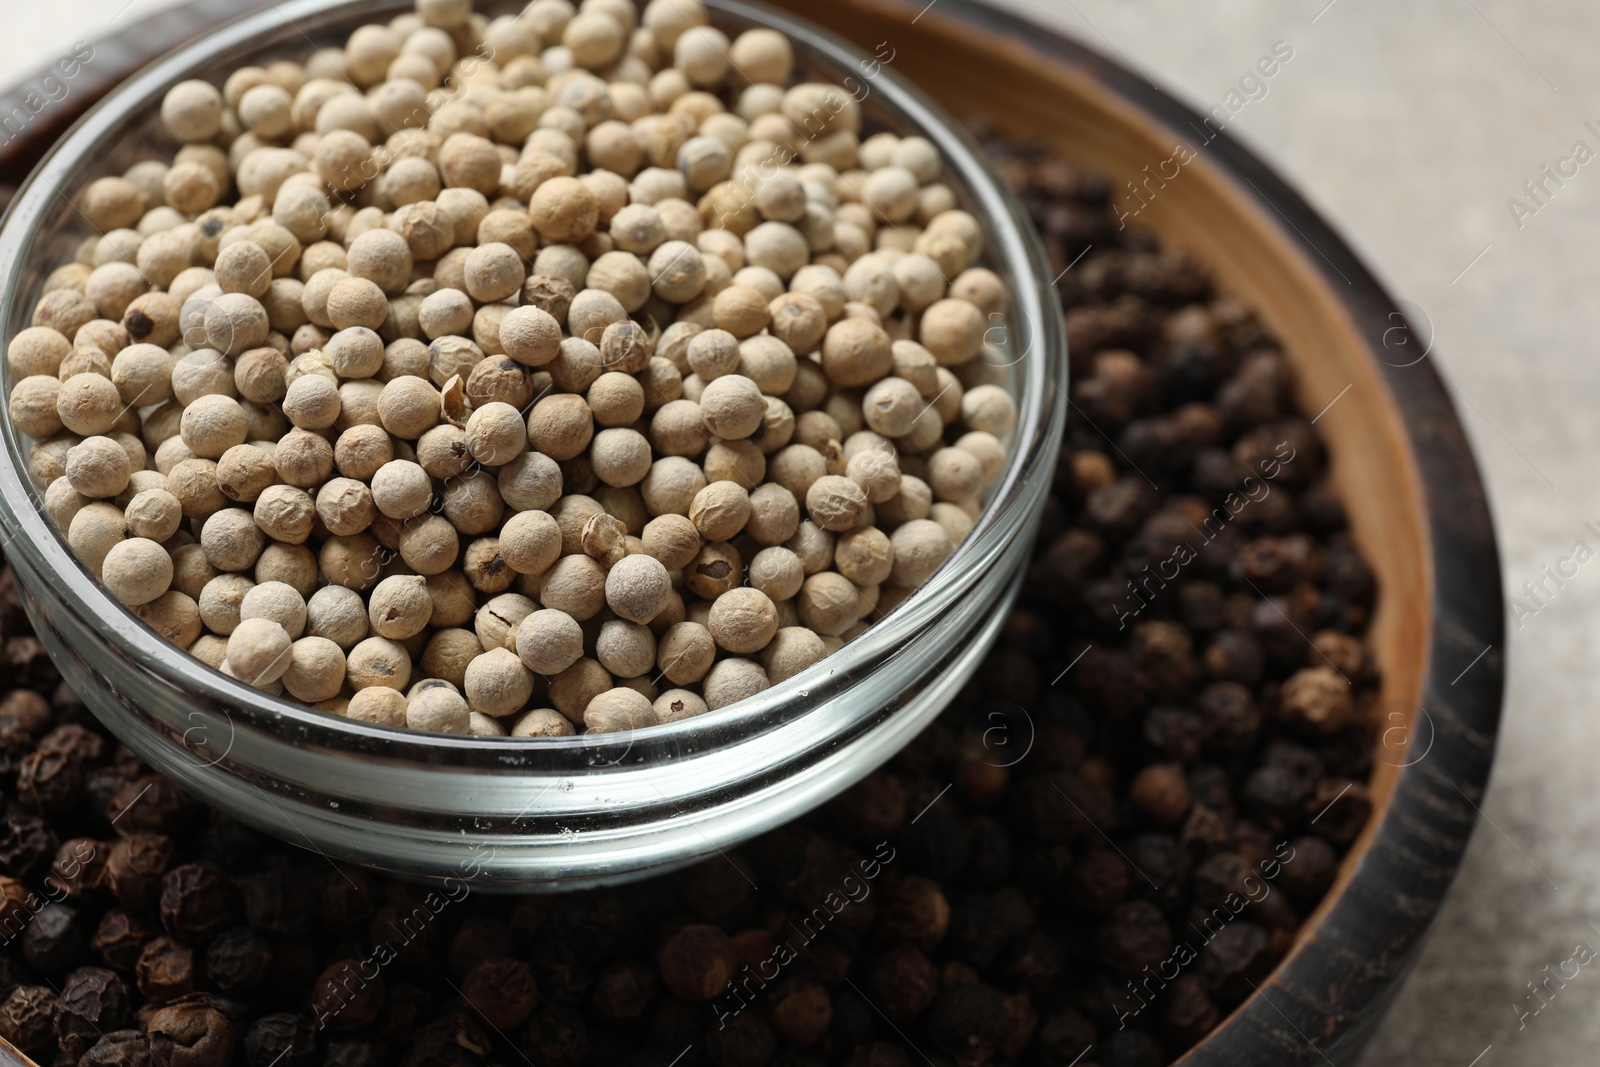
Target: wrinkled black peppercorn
{"type": "Point", "coordinates": [93, 1001]}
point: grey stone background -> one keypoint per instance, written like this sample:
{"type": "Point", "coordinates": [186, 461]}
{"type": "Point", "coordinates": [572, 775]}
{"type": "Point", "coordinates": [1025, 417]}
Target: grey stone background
{"type": "Point", "coordinates": [1410, 125]}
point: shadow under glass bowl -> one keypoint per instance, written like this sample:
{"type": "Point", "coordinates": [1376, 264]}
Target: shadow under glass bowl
{"type": "Point", "coordinates": [526, 813]}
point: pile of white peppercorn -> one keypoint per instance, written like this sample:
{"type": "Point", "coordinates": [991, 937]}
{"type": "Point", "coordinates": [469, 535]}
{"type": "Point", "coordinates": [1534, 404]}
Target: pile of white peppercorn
{"type": "Point", "coordinates": [571, 370]}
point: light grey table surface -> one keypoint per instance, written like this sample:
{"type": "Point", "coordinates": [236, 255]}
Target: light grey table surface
{"type": "Point", "coordinates": [1412, 125]}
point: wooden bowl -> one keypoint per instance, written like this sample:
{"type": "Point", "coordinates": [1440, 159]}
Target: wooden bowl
{"type": "Point", "coordinates": [1398, 455]}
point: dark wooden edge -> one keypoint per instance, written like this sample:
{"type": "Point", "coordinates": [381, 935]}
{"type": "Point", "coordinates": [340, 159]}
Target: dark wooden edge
{"type": "Point", "coordinates": [1326, 998]}
{"type": "Point", "coordinates": [11, 1056]}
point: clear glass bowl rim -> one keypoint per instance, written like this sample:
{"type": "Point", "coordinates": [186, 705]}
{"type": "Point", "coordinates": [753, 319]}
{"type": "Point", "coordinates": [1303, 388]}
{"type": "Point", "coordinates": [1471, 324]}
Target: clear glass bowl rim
{"type": "Point", "coordinates": [1034, 325]}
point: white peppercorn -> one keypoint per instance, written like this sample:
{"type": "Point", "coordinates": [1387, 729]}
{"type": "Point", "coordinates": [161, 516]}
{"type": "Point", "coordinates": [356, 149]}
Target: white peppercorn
{"type": "Point", "coordinates": [497, 684]}
{"type": "Point", "coordinates": [399, 607]}
{"type": "Point", "coordinates": [920, 547]}
{"type": "Point", "coordinates": [378, 705]}
{"type": "Point", "coordinates": [88, 404]}
{"type": "Point", "coordinates": [338, 614]}
{"type": "Point", "coordinates": [676, 704]}
{"type": "Point", "coordinates": [277, 601]}
{"type": "Point", "coordinates": [617, 710]}
{"type": "Point", "coordinates": [791, 650]}
{"type": "Point", "coordinates": [259, 652]}
{"type": "Point", "coordinates": [98, 467]}
{"type": "Point", "coordinates": [743, 620]}
{"type": "Point", "coordinates": [625, 649]}
{"type": "Point", "coordinates": [316, 670]}
{"type": "Point", "coordinates": [637, 588]}
{"type": "Point", "coordinates": [429, 545]}
{"type": "Point", "coordinates": [836, 503]}
{"type": "Point", "coordinates": [378, 661]}
{"type": "Point", "coordinates": [731, 680]}
{"type": "Point", "coordinates": [137, 570]}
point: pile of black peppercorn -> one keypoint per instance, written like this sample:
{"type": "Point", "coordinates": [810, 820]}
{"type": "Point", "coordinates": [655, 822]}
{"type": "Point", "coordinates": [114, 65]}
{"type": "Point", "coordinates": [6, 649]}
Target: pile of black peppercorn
{"type": "Point", "coordinates": [1089, 859]}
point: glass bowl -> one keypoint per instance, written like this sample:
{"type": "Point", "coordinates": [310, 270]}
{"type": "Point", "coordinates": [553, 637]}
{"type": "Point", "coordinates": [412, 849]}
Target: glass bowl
{"type": "Point", "coordinates": [551, 812]}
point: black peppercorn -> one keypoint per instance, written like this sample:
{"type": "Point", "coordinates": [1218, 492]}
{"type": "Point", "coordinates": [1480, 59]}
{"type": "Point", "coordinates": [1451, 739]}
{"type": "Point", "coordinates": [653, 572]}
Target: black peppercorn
{"type": "Point", "coordinates": [563, 975]}
{"type": "Point", "coordinates": [914, 912]}
{"type": "Point", "coordinates": [1099, 880]}
{"type": "Point", "coordinates": [939, 844]}
{"type": "Point", "coordinates": [624, 992]}
{"type": "Point", "coordinates": [190, 1032]}
{"type": "Point", "coordinates": [502, 990]}
{"type": "Point", "coordinates": [119, 1048]}
{"type": "Point", "coordinates": [982, 924]}
{"type": "Point", "coordinates": [27, 1018]}
{"type": "Point", "coordinates": [279, 901]}
{"type": "Point", "coordinates": [27, 845]}
{"type": "Point", "coordinates": [27, 709]}
{"type": "Point", "coordinates": [1235, 656]}
{"type": "Point", "coordinates": [17, 905]}
{"type": "Point", "coordinates": [150, 804]}
{"type": "Point", "coordinates": [1232, 722]}
{"type": "Point", "coordinates": [50, 781]}
{"type": "Point", "coordinates": [743, 1041]}
{"type": "Point", "coordinates": [902, 982]}
{"type": "Point", "coordinates": [79, 867]}
{"type": "Point", "coordinates": [1134, 936]}
{"type": "Point", "coordinates": [457, 1040]}
{"type": "Point", "coordinates": [556, 1037]}
{"type": "Point", "coordinates": [1132, 1048]}
{"type": "Point", "coordinates": [55, 941]}
{"type": "Point", "coordinates": [477, 938]}
{"type": "Point", "coordinates": [1188, 1012]}
{"type": "Point", "coordinates": [239, 960]}
{"type": "Point", "coordinates": [697, 963]}
{"type": "Point", "coordinates": [1338, 808]}
{"type": "Point", "coordinates": [1160, 793]}
{"type": "Point", "coordinates": [1174, 733]}
{"type": "Point", "coordinates": [135, 867]}
{"type": "Point", "coordinates": [1063, 1038]}
{"type": "Point", "coordinates": [197, 902]}
{"type": "Point", "coordinates": [1220, 876]}
{"type": "Point", "coordinates": [348, 995]}
{"type": "Point", "coordinates": [1205, 831]}
{"type": "Point", "coordinates": [408, 929]}
{"type": "Point", "coordinates": [282, 1037]}
{"type": "Point", "coordinates": [78, 741]}
{"type": "Point", "coordinates": [722, 892]}
{"type": "Point", "coordinates": [1237, 956]}
{"type": "Point", "coordinates": [166, 970]}
{"type": "Point", "coordinates": [93, 1001]}
{"type": "Point", "coordinates": [120, 938]}
{"type": "Point", "coordinates": [355, 1052]}
{"type": "Point", "coordinates": [801, 1011]}
{"type": "Point", "coordinates": [980, 1021]}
